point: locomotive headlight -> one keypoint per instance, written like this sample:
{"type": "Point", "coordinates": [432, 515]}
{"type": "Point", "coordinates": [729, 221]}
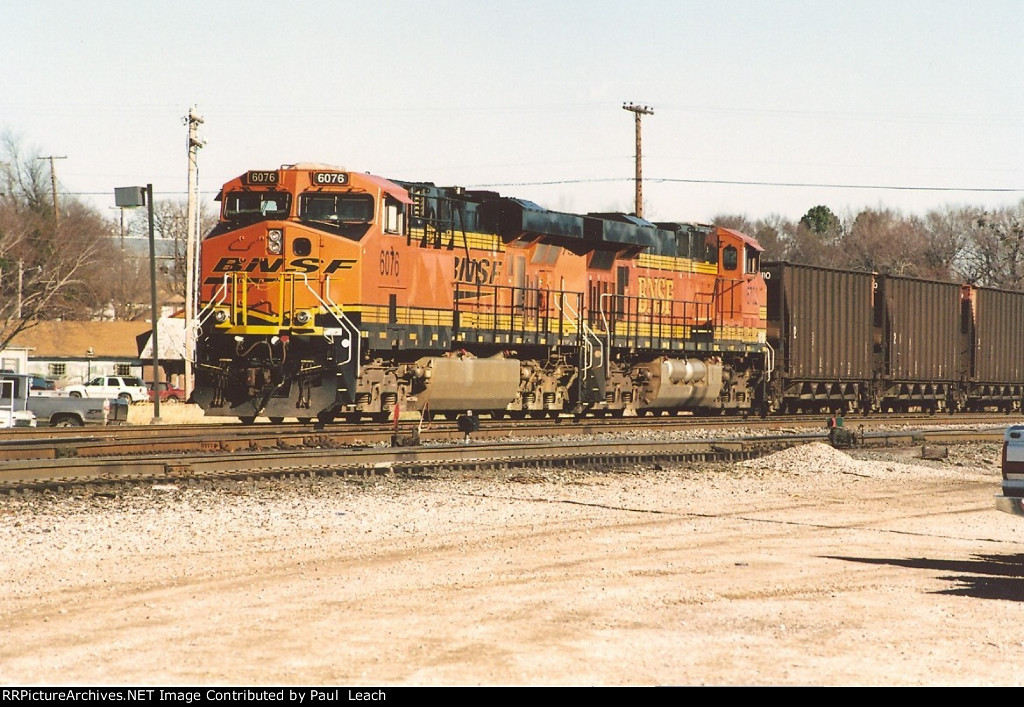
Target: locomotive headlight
{"type": "Point", "coordinates": [220, 316]}
{"type": "Point", "coordinates": [302, 318]}
{"type": "Point", "coordinates": [274, 239]}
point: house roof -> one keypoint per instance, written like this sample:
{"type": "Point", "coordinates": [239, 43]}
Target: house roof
{"type": "Point", "coordinates": [74, 339]}
{"type": "Point", "coordinates": [171, 338]}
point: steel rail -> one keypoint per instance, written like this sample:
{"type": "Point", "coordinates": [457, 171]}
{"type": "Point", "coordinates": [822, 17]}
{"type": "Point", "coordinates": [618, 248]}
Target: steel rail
{"type": "Point", "coordinates": [130, 441]}
{"type": "Point", "coordinates": [411, 461]}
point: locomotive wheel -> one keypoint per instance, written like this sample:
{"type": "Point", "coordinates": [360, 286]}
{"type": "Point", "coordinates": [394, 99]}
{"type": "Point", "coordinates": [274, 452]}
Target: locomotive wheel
{"type": "Point", "coordinates": [276, 420]}
{"type": "Point", "coordinates": [305, 420]}
{"type": "Point", "coordinates": [247, 420]}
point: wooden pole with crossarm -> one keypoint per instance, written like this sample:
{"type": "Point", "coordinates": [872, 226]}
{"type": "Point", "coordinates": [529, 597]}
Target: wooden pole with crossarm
{"type": "Point", "coordinates": [638, 111]}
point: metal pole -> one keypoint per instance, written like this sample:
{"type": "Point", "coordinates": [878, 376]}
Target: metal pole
{"type": "Point", "coordinates": [191, 244]}
{"type": "Point", "coordinates": [155, 307]}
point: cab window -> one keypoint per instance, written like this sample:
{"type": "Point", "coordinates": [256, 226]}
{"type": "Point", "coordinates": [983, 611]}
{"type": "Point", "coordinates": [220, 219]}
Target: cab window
{"type": "Point", "coordinates": [394, 216]}
{"type": "Point", "coordinates": [730, 258]}
{"type": "Point", "coordinates": [337, 208]}
{"type": "Point", "coordinates": [753, 260]}
{"type": "Point", "coordinates": [255, 206]}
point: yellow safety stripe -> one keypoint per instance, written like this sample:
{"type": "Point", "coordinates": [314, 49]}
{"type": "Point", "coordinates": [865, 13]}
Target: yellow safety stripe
{"type": "Point", "coordinates": [674, 264]}
{"type": "Point", "coordinates": [476, 241]}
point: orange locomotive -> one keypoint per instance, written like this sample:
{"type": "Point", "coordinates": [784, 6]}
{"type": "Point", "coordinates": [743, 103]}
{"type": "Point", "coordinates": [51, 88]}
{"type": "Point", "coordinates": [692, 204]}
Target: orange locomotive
{"type": "Point", "coordinates": [330, 293]}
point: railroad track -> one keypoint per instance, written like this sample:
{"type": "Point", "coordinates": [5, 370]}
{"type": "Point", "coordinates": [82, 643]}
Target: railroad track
{"type": "Point", "coordinates": [189, 452]}
{"type": "Point", "coordinates": [133, 440]}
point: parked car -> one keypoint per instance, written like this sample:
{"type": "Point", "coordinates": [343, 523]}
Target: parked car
{"type": "Point", "coordinates": [124, 388]}
{"type": "Point", "coordinates": [168, 392]}
{"type": "Point", "coordinates": [1012, 499]}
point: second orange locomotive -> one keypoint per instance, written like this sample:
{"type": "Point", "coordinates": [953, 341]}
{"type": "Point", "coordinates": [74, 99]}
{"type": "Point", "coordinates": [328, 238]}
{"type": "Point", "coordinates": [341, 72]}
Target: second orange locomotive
{"type": "Point", "coordinates": [332, 293]}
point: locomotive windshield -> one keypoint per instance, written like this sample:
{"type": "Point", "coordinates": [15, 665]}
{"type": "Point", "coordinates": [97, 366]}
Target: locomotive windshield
{"type": "Point", "coordinates": [337, 208]}
{"type": "Point", "coordinates": [256, 206]}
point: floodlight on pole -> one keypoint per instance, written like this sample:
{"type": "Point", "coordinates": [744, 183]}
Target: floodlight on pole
{"type": "Point", "coordinates": [131, 197]}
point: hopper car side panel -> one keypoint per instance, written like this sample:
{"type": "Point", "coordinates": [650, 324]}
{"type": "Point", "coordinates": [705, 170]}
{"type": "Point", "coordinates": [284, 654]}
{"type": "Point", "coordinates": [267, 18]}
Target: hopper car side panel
{"type": "Point", "coordinates": [820, 324]}
{"type": "Point", "coordinates": [995, 319]}
{"type": "Point", "coordinates": [921, 343]}
{"type": "Point", "coordinates": [922, 329]}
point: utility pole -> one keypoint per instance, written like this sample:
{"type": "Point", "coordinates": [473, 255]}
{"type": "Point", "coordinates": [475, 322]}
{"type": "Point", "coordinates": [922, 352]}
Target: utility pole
{"type": "Point", "coordinates": [638, 111]}
{"type": "Point", "coordinates": [53, 183]}
{"type": "Point", "coordinates": [191, 243]}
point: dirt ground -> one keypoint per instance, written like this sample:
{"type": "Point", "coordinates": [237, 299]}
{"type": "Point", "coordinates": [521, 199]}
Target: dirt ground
{"type": "Point", "coordinates": [802, 570]}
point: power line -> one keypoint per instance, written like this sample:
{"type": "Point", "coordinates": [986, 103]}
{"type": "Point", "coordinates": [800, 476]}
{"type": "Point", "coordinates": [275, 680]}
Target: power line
{"type": "Point", "coordinates": [673, 180]}
{"type": "Point", "coordinates": [155, 193]}
{"type": "Point", "coordinates": [732, 182]}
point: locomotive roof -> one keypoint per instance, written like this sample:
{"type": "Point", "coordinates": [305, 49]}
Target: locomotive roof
{"type": "Point", "coordinates": [386, 186]}
{"type": "Point", "coordinates": [512, 215]}
{"type": "Point", "coordinates": [747, 240]}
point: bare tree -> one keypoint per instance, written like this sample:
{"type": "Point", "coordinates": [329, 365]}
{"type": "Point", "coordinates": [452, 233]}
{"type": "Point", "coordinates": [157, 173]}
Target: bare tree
{"type": "Point", "coordinates": [886, 242]}
{"type": "Point", "coordinates": [735, 222]}
{"type": "Point", "coordinates": [170, 221]}
{"type": "Point", "coordinates": [994, 252]}
{"type": "Point", "coordinates": [47, 268]}
{"type": "Point", "coordinates": [127, 294]}
{"type": "Point", "coordinates": [963, 244]}
{"type": "Point", "coordinates": [949, 234]}
{"type": "Point", "coordinates": [774, 233]}
{"type": "Point", "coordinates": [170, 225]}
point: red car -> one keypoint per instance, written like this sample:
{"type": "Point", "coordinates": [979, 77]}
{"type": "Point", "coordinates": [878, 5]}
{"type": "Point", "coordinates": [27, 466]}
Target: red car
{"type": "Point", "coordinates": [168, 393]}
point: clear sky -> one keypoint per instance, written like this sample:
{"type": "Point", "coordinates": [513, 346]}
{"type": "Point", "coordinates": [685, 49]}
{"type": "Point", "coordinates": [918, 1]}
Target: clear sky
{"type": "Point", "coordinates": [526, 97]}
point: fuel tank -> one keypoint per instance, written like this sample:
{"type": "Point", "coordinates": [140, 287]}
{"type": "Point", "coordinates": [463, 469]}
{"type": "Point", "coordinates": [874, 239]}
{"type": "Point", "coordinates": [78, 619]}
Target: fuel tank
{"type": "Point", "coordinates": [463, 383]}
{"type": "Point", "coordinates": [679, 383]}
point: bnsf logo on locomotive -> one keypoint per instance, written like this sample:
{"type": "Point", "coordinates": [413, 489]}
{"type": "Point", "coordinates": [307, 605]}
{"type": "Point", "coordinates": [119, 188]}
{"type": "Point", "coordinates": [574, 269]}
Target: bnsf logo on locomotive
{"type": "Point", "coordinates": [477, 271]}
{"type": "Point", "coordinates": [658, 289]}
{"type": "Point", "coordinates": [273, 265]}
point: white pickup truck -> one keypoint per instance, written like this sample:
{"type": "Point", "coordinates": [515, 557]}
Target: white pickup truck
{"type": "Point", "coordinates": [1012, 498]}
{"type": "Point", "coordinates": [130, 390]}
